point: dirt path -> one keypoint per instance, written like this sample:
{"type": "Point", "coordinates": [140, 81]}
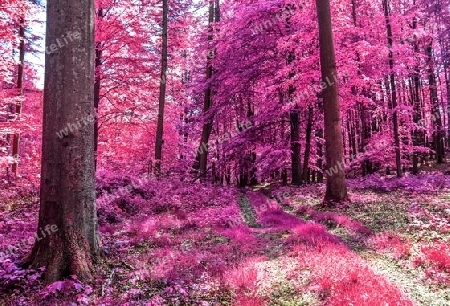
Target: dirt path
{"type": "Point", "coordinates": [322, 263]}
{"type": "Point", "coordinates": [407, 280]}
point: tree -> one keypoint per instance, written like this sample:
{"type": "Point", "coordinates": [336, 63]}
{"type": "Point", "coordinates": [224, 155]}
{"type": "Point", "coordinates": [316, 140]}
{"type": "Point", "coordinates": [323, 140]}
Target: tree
{"type": "Point", "coordinates": [97, 84]}
{"type": "Point", "coordinates": [67, 203]}
{"type": "Point", "coordinates": [201, 162]}
{"type": "Point", "coordinates": [309, 127]}
{"type": "Point", "coordinates": [162, 92]}
{"type": "Point", "coordinates": [334, 151]}
{"type": "Point", "coordinates": [294, 118]}
{"type": "Point", "coordinates": [393, 89]}
{"type": "Point", "coordinates": [18, 110]}
{"type": "Point", "coordinates": [438, 133]}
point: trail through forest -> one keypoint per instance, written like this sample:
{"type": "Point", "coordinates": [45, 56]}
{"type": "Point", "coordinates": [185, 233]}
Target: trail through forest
{"type": "Point", "coordinates": [224, 152]}
{"type": "Point", "coordinates": [267, 245]}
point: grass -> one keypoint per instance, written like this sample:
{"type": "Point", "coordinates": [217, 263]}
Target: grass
{"type": "Point", "coordinates": [248, 212]}
{"type": "Point", "coordinates": [290, 271]}
{"type": "Point", "coordinates": [388, 213]}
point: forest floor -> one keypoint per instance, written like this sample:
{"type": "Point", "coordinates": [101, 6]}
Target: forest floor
{"type": "Point", "coordinates": [172, 243]}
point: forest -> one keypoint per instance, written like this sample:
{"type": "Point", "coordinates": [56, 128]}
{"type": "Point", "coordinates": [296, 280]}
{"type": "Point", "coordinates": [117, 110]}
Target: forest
{"type": "Point", "coordinates": [225, 152]}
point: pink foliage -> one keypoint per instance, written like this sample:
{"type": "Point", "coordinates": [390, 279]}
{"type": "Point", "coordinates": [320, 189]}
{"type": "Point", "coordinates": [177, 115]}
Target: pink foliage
{"type": "Point", "coordinates": [390, 242]}
{"type": "Point", "coordinates": [344, 279]}
{"type": "Point", "coordinates": [436, 255]}
{"type": "Point", "coordinates": [250, 301]}
{"type": "Point", "coordinates": [331, 218]}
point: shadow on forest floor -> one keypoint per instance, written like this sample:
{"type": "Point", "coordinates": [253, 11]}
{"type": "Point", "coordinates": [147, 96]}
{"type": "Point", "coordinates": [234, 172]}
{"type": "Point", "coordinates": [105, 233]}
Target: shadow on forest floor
{"type": "Point", "coordinates": [171, 243]}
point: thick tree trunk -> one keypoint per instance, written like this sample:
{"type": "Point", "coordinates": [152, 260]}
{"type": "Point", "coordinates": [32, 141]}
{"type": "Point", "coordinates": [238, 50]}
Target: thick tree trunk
{"type": "Point", "coordinates": [16, 136]}
{"type": "Point", "coordinates": [162, 92]}
{"type": "Point", "coordinates": [67, 176]}
{"type": "Point", "coordinates": [336, 182]}
{"type": "Point", "coordinates": [393, 90]}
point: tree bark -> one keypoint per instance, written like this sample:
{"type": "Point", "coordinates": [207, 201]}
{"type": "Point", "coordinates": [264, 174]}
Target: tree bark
{"type": "Point", "coordinates": [398, 161]}
{"type": "Point", "coordinates": [16, 136]}
{"type": "Point", "coordinates": [319, 134]}
{"type": "Point", "coordinates": [162, 92]}
{"type": "Point", "coordinates": [295, 147]}
{"type": "Point", "coordinates": [438, 135]}
{"type": "Point", "coordinates": [97, 86]}
{"type": "Point", "coordinates": [336, 190]}
{"type": "Point", "coordinates": [67, 174]}
{"type": "Point", "coordinates": [202, 153]}
{"type": "Point", "coordinates": [417, 136]}
{"type": "Point", "coordinates": [308, 144]}
{"type": "Point", "coordinates": [447, 87]}
{"type": "Point", "coordinates": [294, 116]}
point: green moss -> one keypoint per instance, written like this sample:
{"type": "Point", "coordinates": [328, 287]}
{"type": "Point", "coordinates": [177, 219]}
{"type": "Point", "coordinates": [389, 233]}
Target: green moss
{"type": "Point", "coordinates": [248, 212]}
{"type": "Point", "coordinates": [287, 295]}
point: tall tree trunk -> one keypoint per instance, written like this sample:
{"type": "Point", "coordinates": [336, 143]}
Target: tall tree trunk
{"type": "Point", "coordinates": [217, 11]}
{"type": "Point", "coordinates": [319, 134]}
{"type": "Point", "coordinates": [398, 161]}
{"type": "Point", "coordinates": [319, 145]}
{"type": "Point", "coordinates": [365, 135]}
{"type": "Point", "coordinates": [162, 92]}
{"type": "Point", "coordinates": [308, 144]}
{"type": "Point", "coordinates": [295, 147]}
{"type": "Point", "coordinates": [296, 165]}
{"type": "Point", "coordinates": [202, 153]}
{"type": "Point", "coordinates": [294, 116]}
{"type": "Point", "coordinates": [97, 86]}
{"type": "Point", "coordinates": [351, 130]}
{"type": "Point", "coordinates": [67, 176]}
{"type": "Point", "coordinates": [18, 110]}
{"type": "Point", "coordinates": [252, 170]}
{"type": "Point", "coordinates": [282, 171]}
{"type": "Point", "coordinates": [336, 183]}
{"type": "Point", "coordinates": [417, 136]}
{"type": "Point", "coordinates": [447, 86]}
{"type": "Point", "coordinates": [438, 137]}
